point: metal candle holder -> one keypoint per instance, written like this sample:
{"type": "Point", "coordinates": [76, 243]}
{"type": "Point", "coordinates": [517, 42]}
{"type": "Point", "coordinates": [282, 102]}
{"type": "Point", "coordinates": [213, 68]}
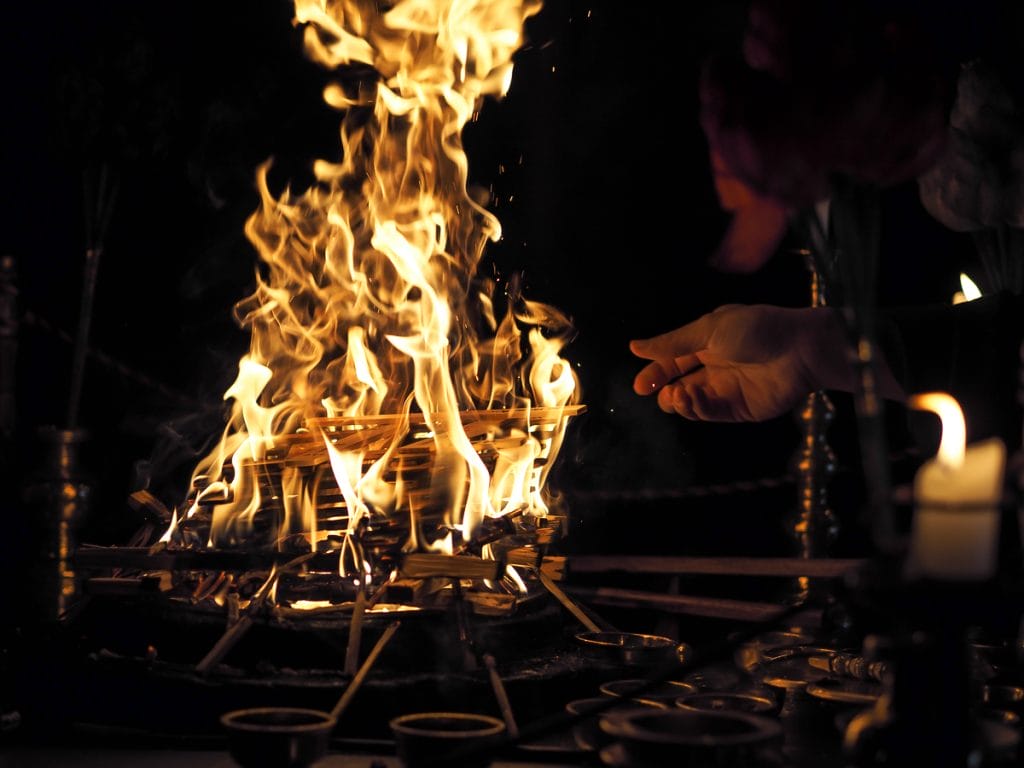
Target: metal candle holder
{"type": "Point", "coordinates": [815, 526]}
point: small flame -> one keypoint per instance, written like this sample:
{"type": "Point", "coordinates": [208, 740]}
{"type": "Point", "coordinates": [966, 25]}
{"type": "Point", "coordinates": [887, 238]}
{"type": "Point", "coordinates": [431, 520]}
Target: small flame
{"type": "Point", "coordinates": [969, 291]}
{"type": "Point", "coordinates": [952, 445]}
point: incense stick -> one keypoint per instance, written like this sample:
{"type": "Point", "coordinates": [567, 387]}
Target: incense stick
{"type": "Point", "coordinates": [350, 691]}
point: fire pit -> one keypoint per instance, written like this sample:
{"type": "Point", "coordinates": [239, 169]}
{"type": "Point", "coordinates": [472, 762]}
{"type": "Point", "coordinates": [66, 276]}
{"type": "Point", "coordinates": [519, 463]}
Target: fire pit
{"type": "Point", "coordinates": [389, 435]}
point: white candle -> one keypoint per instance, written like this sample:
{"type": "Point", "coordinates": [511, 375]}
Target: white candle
{"type": "Point", "coordinates": [957, 494]}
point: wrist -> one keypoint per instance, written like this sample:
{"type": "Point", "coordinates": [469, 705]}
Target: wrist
{"type": "Point", "coordinates": [828, 360]}
{"type": "Point", "coordinates": [824, 350]}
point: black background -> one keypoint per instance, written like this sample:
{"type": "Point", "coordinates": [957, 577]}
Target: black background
{"type": "Point", "coordinates": [600, 180]}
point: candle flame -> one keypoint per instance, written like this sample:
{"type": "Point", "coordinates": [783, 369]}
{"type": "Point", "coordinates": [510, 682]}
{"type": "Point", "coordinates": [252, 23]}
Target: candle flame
{"type": "Point", "coordinates": [969, 290]}
{"type": "Point", "coordinates": [952, 445]}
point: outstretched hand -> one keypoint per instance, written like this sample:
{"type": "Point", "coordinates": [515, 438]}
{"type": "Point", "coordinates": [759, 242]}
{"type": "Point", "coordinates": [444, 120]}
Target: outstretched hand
{"type": "Point", "coordinates": [741, 363]}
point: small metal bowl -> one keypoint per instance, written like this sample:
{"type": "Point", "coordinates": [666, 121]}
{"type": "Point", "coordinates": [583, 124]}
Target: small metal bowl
{"type": "Point", "coordinates": [639, 691]}
{"type": "Point", "coordinates": [446, 738]}
{"type": "Point", "coordinates": [750, 655]}
{"type": "Point", "coordinates": [680, 737]}
{"type": "Point", "coordinates": [278, 737]}
{"type": "Point", "coordinates": [586, 729]}
{"type": "Point", "coordinates": [633, 649]}
{"type": "Point", "coordinates": [728, 701]}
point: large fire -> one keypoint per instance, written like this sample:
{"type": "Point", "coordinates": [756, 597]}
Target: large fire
{"type": "Point", "coordinates": [383, 385]}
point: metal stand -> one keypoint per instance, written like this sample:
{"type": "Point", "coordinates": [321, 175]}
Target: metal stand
{"type": "Point", "coordinates": [815, 527]}
{"type": "Point", "coordinates": [57, 498]}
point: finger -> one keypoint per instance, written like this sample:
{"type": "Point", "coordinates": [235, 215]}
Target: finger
{"type": "Point", "coordinates": [684, 340]}
{"type": "Point", "coordinates": [659, 373]}
{"type": "Point", "coordinates": [708, 406]}
{"type": "Point", "coordinates": [675, 399]}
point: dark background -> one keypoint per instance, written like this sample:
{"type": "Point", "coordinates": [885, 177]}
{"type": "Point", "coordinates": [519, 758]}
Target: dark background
{"type": "Point", "coordinates": [600, 179]}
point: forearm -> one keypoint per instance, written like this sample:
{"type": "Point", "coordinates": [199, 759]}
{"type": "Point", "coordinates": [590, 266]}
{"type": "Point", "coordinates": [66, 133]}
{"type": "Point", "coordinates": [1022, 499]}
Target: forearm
{"type": "Point", "coordinates": [829, 356]}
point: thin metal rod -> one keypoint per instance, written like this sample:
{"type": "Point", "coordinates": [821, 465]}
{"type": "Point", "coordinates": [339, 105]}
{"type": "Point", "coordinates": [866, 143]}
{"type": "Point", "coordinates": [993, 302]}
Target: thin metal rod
{"type": "Point", "coordinates": [92, 258]}
{"type": "Point", "coordinates": [826, 568]}
{"type": "Point", "coordinates": [97, 219]}
{"type": "Point", "coordinates": [711, 607]}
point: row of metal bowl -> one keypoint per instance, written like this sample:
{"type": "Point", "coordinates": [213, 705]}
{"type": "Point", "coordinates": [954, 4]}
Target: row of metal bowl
{"type": "Point", "coordinates": [293, 737]}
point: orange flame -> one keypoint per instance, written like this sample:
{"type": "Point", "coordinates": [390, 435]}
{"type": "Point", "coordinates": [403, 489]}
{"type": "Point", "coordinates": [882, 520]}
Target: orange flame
{"type": "Point", "coordinates": [952, 443]}
{"type": "Point", "coordinates": [367, 302]}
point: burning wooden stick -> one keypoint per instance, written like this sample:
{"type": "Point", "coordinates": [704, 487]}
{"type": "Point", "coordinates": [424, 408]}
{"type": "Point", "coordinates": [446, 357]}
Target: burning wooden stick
{"type": "Point", "coordinates": [535, 415]}
{"type": "Point", "coordinates": [350, 690]}
{"type": "Point", "coordinates": [465, 636]}
{"type": "Point", "coordinates": [499, 693]}
{"type": "Point", "coordinates": [151, 559]}
{"type": "Point", "coordinates": [355, 629]}
{"type": "Point", "coordinates": [227, 641]}
{"type": "Point", "coordinates": [563, 598]}
{"type": "Point", "coordinates": [237, 630]}
{"type": "Point", "coordinates": [723, 566]}
{"type": "Point", "coordinates": [419, 565]}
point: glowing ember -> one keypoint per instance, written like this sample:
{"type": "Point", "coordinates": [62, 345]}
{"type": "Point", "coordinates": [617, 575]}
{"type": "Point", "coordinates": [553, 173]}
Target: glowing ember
{"type": "Point", "coordinates": [382, 405]}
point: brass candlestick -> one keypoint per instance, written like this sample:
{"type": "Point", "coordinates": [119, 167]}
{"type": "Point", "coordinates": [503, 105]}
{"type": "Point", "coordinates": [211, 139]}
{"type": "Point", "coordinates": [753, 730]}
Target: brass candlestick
{"type": "Point", "coordinates": [58, 497]}
{"type": "Point", "coordinates": [814, 526]}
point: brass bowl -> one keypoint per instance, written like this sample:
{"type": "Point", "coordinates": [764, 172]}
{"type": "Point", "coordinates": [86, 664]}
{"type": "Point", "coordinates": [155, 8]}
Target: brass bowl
{"type": "Point", "coordinates": [278, 737]}
{"type": "Point", "coordinates": [446, 738]}
{"type": "Point", "coordinates": [586, 729]}
{"type": "Point", "coordinates": [662, 694]}
{"type": "Point", "coordinates": [728, 701]}
{"type": "Point", "coordinates": [682, 738]}
{"type": "Point", "coordinates": [633, 649]}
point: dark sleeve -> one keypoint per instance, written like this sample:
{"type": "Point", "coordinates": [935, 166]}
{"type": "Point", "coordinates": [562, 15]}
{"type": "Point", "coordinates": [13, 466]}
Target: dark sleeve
{"type": "Point", "coordinates": [970, 350]}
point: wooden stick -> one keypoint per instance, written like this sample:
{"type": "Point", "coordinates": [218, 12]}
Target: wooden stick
{"type": "Point", "coordinates": [563, 598]}
{"type": "Point", "coordinates": [355, 629]}
{"type": "Point", "coordinates": [357, 681]}
{"type": "Point", "coordinates": [502, 697]}
{"type": "Point", "coordinates": [147, 502]}
{"type": "Point", "coordinates": [722, 566]}
{"type": "Point", "coordinates": [150, 584]}
{"type": "Point", "coordinates": [712, 607]}
{"type": "Point", "coordinates": [469, 657]}
{"type": "Point", "coordinates": [535, 415]}
{"type": "Point", "coordinates": [147, 559]}
{"type": "Point", "coordinates": [419, 565]}
{"type": "Point", "coordinates": [227, 641]}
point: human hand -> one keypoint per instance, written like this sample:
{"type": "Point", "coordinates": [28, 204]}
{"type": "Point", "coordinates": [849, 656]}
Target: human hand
{"type": "Point", "coordinates": [741, 363]}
